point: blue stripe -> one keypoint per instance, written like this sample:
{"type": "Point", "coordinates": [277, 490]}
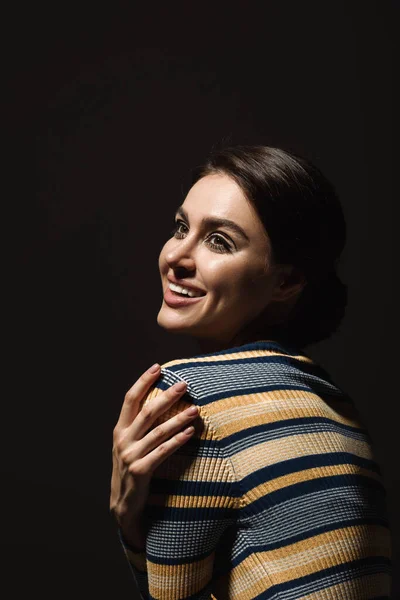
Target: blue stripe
{"type": "Point", "coordinates": [295, 465]}
{"type": "Point", "coordinates": [303, 488]}
{"type": "Point", "coordinates": [169, 513]}
{"type": "Point", "coordinates": [302, 368]}
{"type": "Point", "coordinates": [243, 391]}
{"type": "Point", "coordinates": [250, 360]}
{"type": "Point", "coordinates": [294, 421]}
{"type": "Point", "coordinates": [210, 381]}
{"type": "Point", "coordinates": [305, 535]}
{"type": "Point", "coordinates": [298, 421]}
{"type": "Point", "coordinates": [214, 488]}
{"type": "Point", "coordinates": [228, 393]}
{"type": "Point", "coordinates": [181, 560]}
{"type": "Point", "coordinates": [197, 447]}
{"type": "Point", "coordinates": [255, 434]}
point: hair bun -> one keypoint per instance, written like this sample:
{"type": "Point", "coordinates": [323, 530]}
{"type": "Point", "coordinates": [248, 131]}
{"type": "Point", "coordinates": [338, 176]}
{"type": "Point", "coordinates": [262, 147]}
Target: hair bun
{"type": "Point", "coordinates": [320, 308]}
{"type": "Point", "coordinates": [303, 217]}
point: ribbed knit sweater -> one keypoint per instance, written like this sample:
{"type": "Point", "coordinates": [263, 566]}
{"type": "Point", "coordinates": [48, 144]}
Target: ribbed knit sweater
{"type": "Point", "coordinates": [276, 496]}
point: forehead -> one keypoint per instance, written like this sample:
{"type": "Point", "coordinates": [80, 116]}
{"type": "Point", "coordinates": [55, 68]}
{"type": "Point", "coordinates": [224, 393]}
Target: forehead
{"type": "Point", "coordinates": [219, 196]}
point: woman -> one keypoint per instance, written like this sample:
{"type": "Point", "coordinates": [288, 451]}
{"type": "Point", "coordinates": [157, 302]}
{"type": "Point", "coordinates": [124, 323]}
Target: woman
{"type": "Point", "coordinates": [244, 472]}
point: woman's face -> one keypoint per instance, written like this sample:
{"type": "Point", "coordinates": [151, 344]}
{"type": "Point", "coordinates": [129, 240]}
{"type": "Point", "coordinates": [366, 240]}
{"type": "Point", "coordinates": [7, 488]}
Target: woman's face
{"type": "Point", "coordinates": [220, 254]}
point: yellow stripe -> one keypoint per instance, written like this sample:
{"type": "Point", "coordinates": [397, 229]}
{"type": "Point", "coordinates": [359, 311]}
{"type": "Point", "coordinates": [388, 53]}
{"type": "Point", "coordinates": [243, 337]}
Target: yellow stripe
{"type": "Point", "coordinates": [305, 475]}
{"type": "Point", "coordinates": [238, 584]}
{"type": "Point", "coordinates": [240, 412]}
{"type": "Point", "coordinates": [326, 550]}
{"type": "Point", "coordinates": [191, 501]}
{"type": "Point", "coordinates": [269, 453]}
{"type": "Point", "coordinates": [192, 577]}
{"type": "Point", "coordinates": [362, 588]}
{"type": "Point", "coordinates": [183, 468]}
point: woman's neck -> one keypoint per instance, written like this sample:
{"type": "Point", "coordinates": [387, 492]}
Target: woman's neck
{"type": "Point", "coordinates": [209, 346]}
{"type": "Point", "coordinates": [256, 331]}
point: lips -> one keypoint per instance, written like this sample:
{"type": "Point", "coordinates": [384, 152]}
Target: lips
{"type": "Point", "coordinates": [179, 285]}
{"type": "Point", "coordinates": [175, 300]}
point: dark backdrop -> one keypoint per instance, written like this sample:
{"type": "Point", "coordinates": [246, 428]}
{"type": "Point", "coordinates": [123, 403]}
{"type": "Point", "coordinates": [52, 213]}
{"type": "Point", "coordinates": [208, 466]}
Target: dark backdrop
{"type": "Point", "coordinates": [107, 109]}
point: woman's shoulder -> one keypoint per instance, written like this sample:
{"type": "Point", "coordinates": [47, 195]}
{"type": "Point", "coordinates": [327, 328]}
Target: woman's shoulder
{"type": "Point", "coordinates": [259, 352]}
{"type": "Point", "coordinates": [251, 367]}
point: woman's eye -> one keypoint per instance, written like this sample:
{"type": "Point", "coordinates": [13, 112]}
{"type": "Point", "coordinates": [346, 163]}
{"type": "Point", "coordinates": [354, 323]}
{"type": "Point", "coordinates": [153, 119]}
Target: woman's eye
{"type": "Point", "coordinates": [219, 243]}
{"type": "Point", "coordinates": [215, 241]}
{"type": "Point", "coordinates": [180, 229]}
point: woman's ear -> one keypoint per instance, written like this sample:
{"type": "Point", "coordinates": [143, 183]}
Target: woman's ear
{"type": "Point", "coordinates": [290, 283]}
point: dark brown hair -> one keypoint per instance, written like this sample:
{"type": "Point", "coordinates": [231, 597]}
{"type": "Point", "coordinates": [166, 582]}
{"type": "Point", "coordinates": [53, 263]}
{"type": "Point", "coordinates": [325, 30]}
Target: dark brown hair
{"type": "Point", "coordinates": [303, 217]}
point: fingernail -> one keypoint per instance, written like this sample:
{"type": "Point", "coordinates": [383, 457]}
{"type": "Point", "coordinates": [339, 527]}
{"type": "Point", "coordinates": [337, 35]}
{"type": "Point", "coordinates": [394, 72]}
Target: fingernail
{"type": "Point", "coordinates": [154, 368]}
{"type": "Point", "coordinates": [179, 387]}
{"type": "Point", "coordinates": [193, 410]}
{"type": "Point", "coordinates": [189, 430]}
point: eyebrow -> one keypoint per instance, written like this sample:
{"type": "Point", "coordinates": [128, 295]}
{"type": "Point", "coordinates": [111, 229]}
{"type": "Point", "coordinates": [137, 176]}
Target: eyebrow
{"type": "Point", "coordinates": [215, 222]}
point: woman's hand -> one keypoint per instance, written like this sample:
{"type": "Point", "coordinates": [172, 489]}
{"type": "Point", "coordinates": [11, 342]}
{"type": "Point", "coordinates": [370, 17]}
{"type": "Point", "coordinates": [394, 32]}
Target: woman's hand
{"type": "Point", "coordinates": [138, 449]}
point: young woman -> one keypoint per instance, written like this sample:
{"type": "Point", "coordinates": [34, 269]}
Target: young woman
{"type": "Point", "coordinates": [244, 472]}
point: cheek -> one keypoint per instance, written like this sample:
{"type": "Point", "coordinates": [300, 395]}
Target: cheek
{"type": "Point", "coordinates": [255, 287]}
{"type": "Point", "coordinates": [218, 274]}
{"type": "Point", "coordinates": [235, 279]}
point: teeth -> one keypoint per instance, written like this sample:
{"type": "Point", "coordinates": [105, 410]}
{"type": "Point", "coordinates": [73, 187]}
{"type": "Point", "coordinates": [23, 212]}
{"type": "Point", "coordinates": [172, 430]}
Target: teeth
{"type": "Point", "coordinates": [182, 290]}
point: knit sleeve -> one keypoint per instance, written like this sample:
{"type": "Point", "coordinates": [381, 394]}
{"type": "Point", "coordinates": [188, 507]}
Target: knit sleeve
{"type": "Point", "coordinates": [190, 506]}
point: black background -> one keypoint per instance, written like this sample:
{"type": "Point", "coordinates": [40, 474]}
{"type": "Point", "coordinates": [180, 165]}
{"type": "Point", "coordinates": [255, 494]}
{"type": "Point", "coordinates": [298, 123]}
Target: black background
{"type": "Point", "coordinates": [106, 109]}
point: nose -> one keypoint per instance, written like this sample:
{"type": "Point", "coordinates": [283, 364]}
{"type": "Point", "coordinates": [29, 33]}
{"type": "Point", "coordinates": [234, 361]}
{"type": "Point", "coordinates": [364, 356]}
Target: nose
{"type": "Point", "coordinates": [180, 258]}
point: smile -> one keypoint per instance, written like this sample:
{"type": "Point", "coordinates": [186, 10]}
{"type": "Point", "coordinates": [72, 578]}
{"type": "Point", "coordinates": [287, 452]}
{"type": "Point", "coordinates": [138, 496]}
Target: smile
{"type": "Point", "coordinates": [184, 291]}
{"type": "Point", "coordinates": [175, 298]}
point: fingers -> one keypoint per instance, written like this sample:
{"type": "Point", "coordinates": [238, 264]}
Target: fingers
{"type": "Point", "coordinates": [154, 409]}
{"type": "Point", "coordinates": [135, 395]}
{"type": "Point", "coordinates": [162, 434]}
{"type": "Point", "coordinates": [160, 453]}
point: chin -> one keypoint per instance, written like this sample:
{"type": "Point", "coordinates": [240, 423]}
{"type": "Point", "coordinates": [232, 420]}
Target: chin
{"type": "Point", "coordinates": [208, 343]}
{"type": "Point", "coordinates": [171, 324]}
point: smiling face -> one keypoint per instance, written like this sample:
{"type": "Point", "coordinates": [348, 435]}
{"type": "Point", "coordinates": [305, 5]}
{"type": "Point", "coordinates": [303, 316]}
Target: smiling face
{"type": "Point", "coordinates": [221, 256]}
